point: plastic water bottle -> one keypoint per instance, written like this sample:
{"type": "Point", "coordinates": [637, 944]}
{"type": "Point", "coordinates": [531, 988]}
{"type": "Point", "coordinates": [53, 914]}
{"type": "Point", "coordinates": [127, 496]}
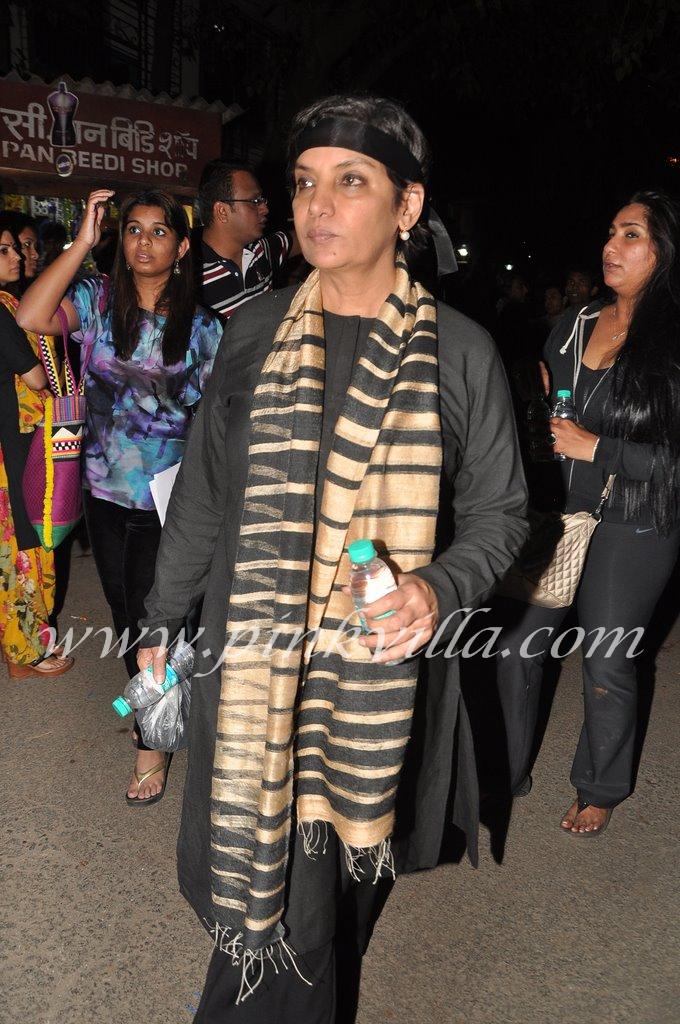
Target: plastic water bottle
{"type": "Point", "coordinates": [369, 578]}
{"type": "Point", "coordinates": [564, 410]}
{"type": "Point", "coordinates": [538, 429]}
{"type": "Point", "coordinates": [143, 690]}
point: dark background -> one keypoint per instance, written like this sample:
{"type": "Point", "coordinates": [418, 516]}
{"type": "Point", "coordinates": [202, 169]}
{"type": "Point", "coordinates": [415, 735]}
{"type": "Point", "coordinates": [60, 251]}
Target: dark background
{"type": "Point", "coordinates": [543, 115]}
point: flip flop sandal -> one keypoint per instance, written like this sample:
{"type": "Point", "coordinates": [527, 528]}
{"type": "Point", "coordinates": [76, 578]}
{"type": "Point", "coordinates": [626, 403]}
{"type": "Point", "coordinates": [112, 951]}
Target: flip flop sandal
{"type": "Point", "coordinates": [34, 669]}
{"type": "Point", "coordinates": [162, 766]}
{"type": "Point", "coordinates": [582, 804]}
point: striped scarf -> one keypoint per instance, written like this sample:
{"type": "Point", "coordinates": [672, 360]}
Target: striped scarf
{"type": "Point", "coordinates": [308, 728]}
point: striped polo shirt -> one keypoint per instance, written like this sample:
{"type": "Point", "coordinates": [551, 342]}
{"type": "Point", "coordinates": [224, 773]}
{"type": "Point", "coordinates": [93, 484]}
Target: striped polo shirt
{"type": "Point", "coordinates": [225, 286]}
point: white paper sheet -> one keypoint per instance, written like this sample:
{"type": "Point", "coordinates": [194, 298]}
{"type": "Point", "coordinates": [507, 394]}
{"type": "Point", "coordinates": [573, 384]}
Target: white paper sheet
{"type": "Point", "coordinates": [161, 489]}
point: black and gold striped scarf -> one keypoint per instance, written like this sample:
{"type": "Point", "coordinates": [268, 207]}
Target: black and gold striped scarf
{"type": "Point", "coordinates": [308, 728]}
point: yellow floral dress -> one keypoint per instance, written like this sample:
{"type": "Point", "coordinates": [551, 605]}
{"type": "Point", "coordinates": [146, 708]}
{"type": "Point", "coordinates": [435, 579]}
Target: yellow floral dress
{"type": "Point", "coordinates": [26, 577]}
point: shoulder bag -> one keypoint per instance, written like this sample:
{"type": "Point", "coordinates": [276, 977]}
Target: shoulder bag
{"type": "Point", "coordinates": [549, 568]}
{"type": "Point", "coordinates": [52, 476]}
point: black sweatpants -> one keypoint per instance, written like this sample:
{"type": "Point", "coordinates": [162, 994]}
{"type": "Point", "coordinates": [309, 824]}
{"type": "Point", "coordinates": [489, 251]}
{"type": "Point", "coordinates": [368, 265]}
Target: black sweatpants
{"type": "Point", "coordinates": [124, 545]}
{"type": "Point", "coordinates": [626, 570]}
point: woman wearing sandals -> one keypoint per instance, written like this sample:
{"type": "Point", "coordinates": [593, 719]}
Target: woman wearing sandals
{"type": "Point", "coordinates": [352, 407]}
{"type": "Point", "coordinates": [27, 587]}
{"type": "Point", "coordinates": [149, 352]}
{"type": "Point", "coordinates": [622, 362]}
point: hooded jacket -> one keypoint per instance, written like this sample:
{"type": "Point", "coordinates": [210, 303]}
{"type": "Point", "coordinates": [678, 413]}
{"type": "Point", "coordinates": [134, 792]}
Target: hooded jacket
{"type": "Point", "coordinates": [591, 391]}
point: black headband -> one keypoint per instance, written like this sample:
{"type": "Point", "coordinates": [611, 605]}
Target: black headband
{"type": "Point", "coordinates": [346, 133]}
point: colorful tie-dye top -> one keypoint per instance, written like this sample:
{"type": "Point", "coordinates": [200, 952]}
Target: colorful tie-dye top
{"type": "Point", "coordinates": [138, 410]}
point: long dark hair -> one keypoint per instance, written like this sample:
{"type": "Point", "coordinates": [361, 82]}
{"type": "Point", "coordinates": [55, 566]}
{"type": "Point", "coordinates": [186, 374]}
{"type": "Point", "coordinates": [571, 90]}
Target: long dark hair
{"type": "Point", "coordinates": [645, 399]}
{"type": "Point", "coordinates": [390, 117]}
{"type": "Point", "coordinates": [8, 222]}
{"type": "Point", "coordinates": [177, 299]}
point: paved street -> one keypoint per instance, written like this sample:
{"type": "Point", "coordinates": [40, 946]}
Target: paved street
{"type": "Point", "coordinates": [95, 930]}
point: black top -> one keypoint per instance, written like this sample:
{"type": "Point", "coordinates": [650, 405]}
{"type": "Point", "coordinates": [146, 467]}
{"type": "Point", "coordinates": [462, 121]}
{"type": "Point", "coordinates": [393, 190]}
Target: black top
{"type": "Point", "coordinates": [584, 481]}
{"type": "Point", "coordinates": [480, 529]}
{"type": "Point", "coordinates": [344, 336]}
{"type": "Point", "coordinates": [16, 357]}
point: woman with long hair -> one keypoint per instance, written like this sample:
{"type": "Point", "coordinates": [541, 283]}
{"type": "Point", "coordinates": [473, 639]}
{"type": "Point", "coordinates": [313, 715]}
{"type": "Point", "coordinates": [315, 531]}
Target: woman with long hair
{"type": "Point", "coordinates": [27, 571]}
{"type": "Point", "coordinates": [149, 352]}
{"type": "Point", "coordinates": [27, 232]}
{"type": "Point", "coordinates": [354, 406]}
{"type": "Point", "coordinates": [621, 360]}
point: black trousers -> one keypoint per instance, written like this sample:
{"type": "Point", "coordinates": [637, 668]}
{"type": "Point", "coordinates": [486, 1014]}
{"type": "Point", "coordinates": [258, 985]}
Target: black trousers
{"type": "Point", "coordinates": [625, 573]}
{"type": "Point", "coordinates": [124, 545]}
{"type": "Point", "coordinates": [334, 970]}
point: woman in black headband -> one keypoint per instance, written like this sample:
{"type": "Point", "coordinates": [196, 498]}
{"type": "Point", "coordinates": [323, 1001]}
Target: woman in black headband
{"type": "Point", "coordinates": [320, 760]}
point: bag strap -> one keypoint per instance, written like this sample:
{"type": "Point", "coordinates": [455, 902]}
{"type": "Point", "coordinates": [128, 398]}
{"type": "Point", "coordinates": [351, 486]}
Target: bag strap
{"type": "Point", "coordinates": [73, 386]}
{"type": "Point", "coordinates": [69, 376]}
{"type": "Point", "coordinates": [50, 366]}
{"type": "Point", "coordinates": [605, 494]}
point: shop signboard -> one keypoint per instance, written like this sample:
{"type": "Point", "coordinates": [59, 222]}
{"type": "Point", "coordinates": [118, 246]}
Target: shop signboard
{"type": "Point", "coordinates": [48, 131]}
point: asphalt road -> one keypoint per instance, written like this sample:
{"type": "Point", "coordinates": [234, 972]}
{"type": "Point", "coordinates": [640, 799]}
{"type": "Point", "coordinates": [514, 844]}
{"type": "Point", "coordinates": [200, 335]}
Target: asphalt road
{"type": "Point", "coordinates": [94, 929]}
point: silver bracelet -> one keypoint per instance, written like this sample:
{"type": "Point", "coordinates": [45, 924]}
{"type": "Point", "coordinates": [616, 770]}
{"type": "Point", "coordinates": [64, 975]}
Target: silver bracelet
{"type": "Point", "coordinates": [595, 447]}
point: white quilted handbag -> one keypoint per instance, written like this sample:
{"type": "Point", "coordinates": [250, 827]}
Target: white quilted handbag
{"type": "Point", "coordinates": [549, 567]}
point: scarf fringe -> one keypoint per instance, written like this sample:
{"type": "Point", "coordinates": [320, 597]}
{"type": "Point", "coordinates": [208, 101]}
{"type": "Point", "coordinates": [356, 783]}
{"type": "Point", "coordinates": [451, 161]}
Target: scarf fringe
{"type": "Point", "coordinates": [311, 832]}
{"type": "Point", "coordinates": [251, 961]}
{"type": "Point", "coordinates": [380, 856]}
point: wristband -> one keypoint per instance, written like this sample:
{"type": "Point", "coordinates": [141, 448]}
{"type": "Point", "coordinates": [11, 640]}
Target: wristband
{"type": "Point", "coordinates": [595, 447]}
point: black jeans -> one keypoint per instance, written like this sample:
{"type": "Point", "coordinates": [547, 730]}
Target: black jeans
{"type": "Point", "coordinates": [124, 545]}
{"type": "Point", "coordinates": [625, 573]}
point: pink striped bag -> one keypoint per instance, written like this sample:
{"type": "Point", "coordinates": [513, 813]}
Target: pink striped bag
{"type": "Point", "coordinates": [52, 476]}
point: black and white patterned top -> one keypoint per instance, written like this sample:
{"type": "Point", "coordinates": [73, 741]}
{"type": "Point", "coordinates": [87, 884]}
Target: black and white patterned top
{"type": "Point", "coordinates": [226, 286]}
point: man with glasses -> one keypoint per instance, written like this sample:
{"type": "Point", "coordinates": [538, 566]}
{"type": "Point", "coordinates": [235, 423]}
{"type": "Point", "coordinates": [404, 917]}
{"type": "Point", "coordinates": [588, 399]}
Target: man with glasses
{"type": "Point", "coordinates": [237, 260]}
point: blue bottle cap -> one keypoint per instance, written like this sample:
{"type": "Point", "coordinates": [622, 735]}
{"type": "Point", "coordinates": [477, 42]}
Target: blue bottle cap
{"type": "Point", "coordinates": [361, 551]}
{"type": "Point", "coordinates": [566, 393]}
{"type": "Point", "coordinates": [121, 707]}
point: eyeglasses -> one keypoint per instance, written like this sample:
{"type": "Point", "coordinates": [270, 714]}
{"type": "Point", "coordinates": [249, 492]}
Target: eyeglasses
{"type": "Point", "coordinates": [258, 201]}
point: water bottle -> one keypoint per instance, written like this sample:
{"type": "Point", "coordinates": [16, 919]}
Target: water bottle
{"type": "Point", "coordinates": [143, 690]}
{"type": "Point", "coordinates": [369, 578]}
{"type": "Point", "coordinates": [538, 429]}
{"type": "Point", "coordinates": [564, 410]}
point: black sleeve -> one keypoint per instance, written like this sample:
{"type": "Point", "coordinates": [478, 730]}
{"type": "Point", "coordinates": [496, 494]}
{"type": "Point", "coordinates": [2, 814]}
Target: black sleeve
{"type": "Point", "coordinates": [15, 351]}
{"type": "Point", "coordinates": [630, 459]}
{"type": "Point", "coordinates": [489, 491]}
{"type": "Point", "coordinates": [199, 497]}
{"type": "Point", "coordinates": [195, 511]}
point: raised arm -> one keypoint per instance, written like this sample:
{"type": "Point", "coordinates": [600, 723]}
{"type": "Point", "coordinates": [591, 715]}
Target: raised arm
{"type": "Point", "coordinates": [38, 307]}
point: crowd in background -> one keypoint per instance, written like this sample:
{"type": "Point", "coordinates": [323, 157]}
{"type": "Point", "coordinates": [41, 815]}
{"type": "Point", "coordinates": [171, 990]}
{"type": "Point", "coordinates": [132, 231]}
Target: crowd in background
{"type": "Point", "coordinates": [153, 311]}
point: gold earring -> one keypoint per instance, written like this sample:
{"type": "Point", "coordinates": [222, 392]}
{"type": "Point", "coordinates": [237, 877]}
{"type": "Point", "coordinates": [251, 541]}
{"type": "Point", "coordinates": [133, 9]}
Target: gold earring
{"type": "Point", "coordinates": [177, 270]}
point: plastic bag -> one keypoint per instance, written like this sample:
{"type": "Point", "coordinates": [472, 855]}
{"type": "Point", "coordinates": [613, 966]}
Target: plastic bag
{"type": "Point", "coordinates": [164, 725]}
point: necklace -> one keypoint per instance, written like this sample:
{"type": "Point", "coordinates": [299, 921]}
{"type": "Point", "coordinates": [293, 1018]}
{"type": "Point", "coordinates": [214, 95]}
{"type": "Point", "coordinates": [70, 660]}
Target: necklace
{"type": "Point", "coordinates": [621, 333]}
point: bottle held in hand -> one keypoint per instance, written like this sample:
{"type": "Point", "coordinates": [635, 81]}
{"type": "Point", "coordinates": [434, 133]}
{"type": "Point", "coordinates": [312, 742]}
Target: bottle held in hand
{"type": "Point", "coordinates": [564, 410]}
{"type": "Point", "coordinates": [143, 690]}
{"type": "Point", "coordinates": [370, 578]}
{"type": "Point", "coordinates": [538, 430]}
